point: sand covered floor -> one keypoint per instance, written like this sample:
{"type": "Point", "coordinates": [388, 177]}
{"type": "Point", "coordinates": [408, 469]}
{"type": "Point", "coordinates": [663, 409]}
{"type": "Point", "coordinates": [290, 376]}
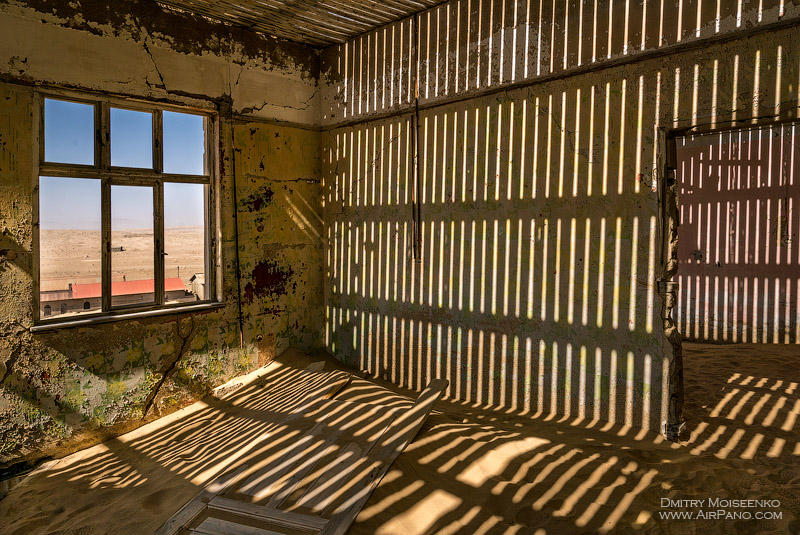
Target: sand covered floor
{"type": "Point", "coordinates": [470, 470]}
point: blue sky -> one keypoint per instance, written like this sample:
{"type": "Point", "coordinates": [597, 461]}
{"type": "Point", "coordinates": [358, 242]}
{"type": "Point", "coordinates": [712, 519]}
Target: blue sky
{"type": "Point", "coordinates": [69, 203]}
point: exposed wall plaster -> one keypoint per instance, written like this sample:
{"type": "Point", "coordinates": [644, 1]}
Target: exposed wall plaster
{"type": "Point", "coordinates": [67, 388]}
{"type": "Point", "coordinates": [166, 56]}
{"type": "Point", "coordinates": [571, 100]}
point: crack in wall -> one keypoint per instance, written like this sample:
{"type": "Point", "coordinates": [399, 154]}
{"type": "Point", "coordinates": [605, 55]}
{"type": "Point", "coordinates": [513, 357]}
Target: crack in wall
{"type": "Point", "coordinates": [304, 107]}
{"type": "Point", "coordinates": [572, 146]}
{"type": "Point", "coordinates": [170, 369]}
{"type": "Point", "coordinates": [238, 77]}
{"type": "Point", "coordinates": [12, 330]}
{"type": "Point", "coordinates": [13, 357]}
{"type": "Point", "coordinates": [304, 180]}
{"type": "Point", "coordinates": [155, 66]}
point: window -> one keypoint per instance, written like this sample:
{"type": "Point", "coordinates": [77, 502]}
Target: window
{"type": "Point", "coordinates": [124, 199]}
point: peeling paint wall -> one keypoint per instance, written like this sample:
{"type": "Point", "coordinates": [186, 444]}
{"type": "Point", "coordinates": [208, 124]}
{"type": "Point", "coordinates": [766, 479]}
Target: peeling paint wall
{"type": "Point", "coordinates": [542, 207]}
{"type": "Point", "coordinates": [142, 51]}
{"type": "Point", "coordinates": [280, 220]}
{"type": "Point", "coordinates": [65, 388]}
{"type": "Point", "coordinates": [529, 172]}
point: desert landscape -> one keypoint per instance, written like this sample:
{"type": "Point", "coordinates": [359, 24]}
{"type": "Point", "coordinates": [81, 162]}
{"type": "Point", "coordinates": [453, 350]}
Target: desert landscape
{"type": "Point", "coordinates": [73, 256]}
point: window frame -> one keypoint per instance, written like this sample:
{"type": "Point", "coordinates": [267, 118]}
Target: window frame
{"type": "Point", "coordinates": [110, 175]}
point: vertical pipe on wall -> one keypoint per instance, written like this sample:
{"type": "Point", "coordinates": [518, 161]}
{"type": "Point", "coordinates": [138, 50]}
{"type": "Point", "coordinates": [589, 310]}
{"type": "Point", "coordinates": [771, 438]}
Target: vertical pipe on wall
{"type": "Point", "coordinates": [236, 233]}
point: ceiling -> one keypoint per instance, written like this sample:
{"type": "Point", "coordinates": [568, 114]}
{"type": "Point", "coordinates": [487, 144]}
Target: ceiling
{"type": "Point", "coordinates": [316, 23]}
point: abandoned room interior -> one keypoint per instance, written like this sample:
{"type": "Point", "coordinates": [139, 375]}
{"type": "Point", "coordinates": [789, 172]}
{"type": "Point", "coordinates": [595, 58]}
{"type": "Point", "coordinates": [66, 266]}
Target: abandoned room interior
{"type": "Point", "coordinates": [405, 267]}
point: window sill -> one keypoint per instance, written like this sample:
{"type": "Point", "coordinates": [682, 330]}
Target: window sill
{"type": "Point", "coordinates": [121, 316]}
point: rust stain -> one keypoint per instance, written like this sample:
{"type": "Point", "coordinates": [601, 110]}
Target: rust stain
{"type": "Point", "coordinates": [269, 280]}
{"type": "Point", "coordinates": [258, 200]}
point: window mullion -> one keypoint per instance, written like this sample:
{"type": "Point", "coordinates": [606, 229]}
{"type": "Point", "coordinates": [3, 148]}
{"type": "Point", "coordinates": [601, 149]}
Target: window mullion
{"type": "Point", "coordinates": [158, 228]}
{"type": "Point", "coordinates": [103, 151]}
{"type": "Point", "coordinates": [158, 207]}
{"type": "Point", "coordinates": [158, 142]}
{"type": "Point", "coordinates": [103, 140]}
{"type": "Point", "coordinates": [105, 218]}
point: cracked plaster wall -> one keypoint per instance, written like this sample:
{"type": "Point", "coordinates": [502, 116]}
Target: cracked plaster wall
{"type": "Point", "coordinates": [544, 215]}
{"type": "Point", "coordinates": [146, 52]}
{"type": "Point", "coordinates": [385, 313]}
{"type": "Point", "coordinates": [66, 388]}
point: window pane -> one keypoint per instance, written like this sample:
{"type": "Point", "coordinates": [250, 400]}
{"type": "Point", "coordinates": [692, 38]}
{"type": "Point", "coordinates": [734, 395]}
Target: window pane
{"type": "Point", "coordinates": [184, 242]}
{"type": "Point", "coordinates": [184, 143]}
{"type": "Point", "coordinates": [69, 246]}
{"type": "Point", "coordinates": [131, 138]}
{"type": "Point", "coordinates": [68, 132]}
{"type": "Point", "coordinates": [132, 245]}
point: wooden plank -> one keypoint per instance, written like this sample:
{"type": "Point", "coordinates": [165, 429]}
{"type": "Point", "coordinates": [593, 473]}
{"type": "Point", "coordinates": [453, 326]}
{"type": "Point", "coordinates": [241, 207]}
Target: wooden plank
{"type": "Point", "coordinates": [194, 507]}
{"type": "Point", "coordinates": [284, 518]}
{"type": "Point", "coordinates": [305, 449]}
{"type": "Point", "coordinates": [259, 482]}
{"type": "Point", "coordinates": [323, 493]}
{"type": "Point", "coordinates": [335, 410]}
{"type": "Point", "coordinates": [362, 478]}
{"type": "Point", "coordinates": [324, 490]}
{"type": "Point", "coordinates": [218, 526]}
{"type": "Point", "coordinates": [397, 436]}
{"type": "Point", "coordinates": [320, 451]}
{"type": "Point", "coordinates": [352, 481]}
{"type": "Point", "coordinates": [330, 384]}
{"type": "Point", "coordinates": [358, 469]}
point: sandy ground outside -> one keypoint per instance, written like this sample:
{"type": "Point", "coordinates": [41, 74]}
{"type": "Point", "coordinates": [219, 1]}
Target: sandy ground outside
{"type": "Point", "coordinates": [74, 255]}
{"type": "Point", "coordinates": [470, 470]}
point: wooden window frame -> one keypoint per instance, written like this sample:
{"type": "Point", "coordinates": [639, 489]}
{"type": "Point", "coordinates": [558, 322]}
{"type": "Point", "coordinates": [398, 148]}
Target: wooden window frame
{"type": "Point", "coordinates": [153, 177]}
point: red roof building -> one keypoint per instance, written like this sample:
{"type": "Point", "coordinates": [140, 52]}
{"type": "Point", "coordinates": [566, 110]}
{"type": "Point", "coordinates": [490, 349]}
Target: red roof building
{"type": "Point", "coordinates": [86, 291]}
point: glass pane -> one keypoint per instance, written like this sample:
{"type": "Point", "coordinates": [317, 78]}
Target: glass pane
{"type": "Point", "coordinates": [132, 245]}
{"type": "Point", "coordinates": [184, 242]}
{"type": "Point", "coordinates": [184, 143]}
{"type": "Point", "coordinates": [68, 132]}
{"type": "Point", "coordinates": [131, 138]}
{"type": "Point", "coordinates": [69, 246]}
